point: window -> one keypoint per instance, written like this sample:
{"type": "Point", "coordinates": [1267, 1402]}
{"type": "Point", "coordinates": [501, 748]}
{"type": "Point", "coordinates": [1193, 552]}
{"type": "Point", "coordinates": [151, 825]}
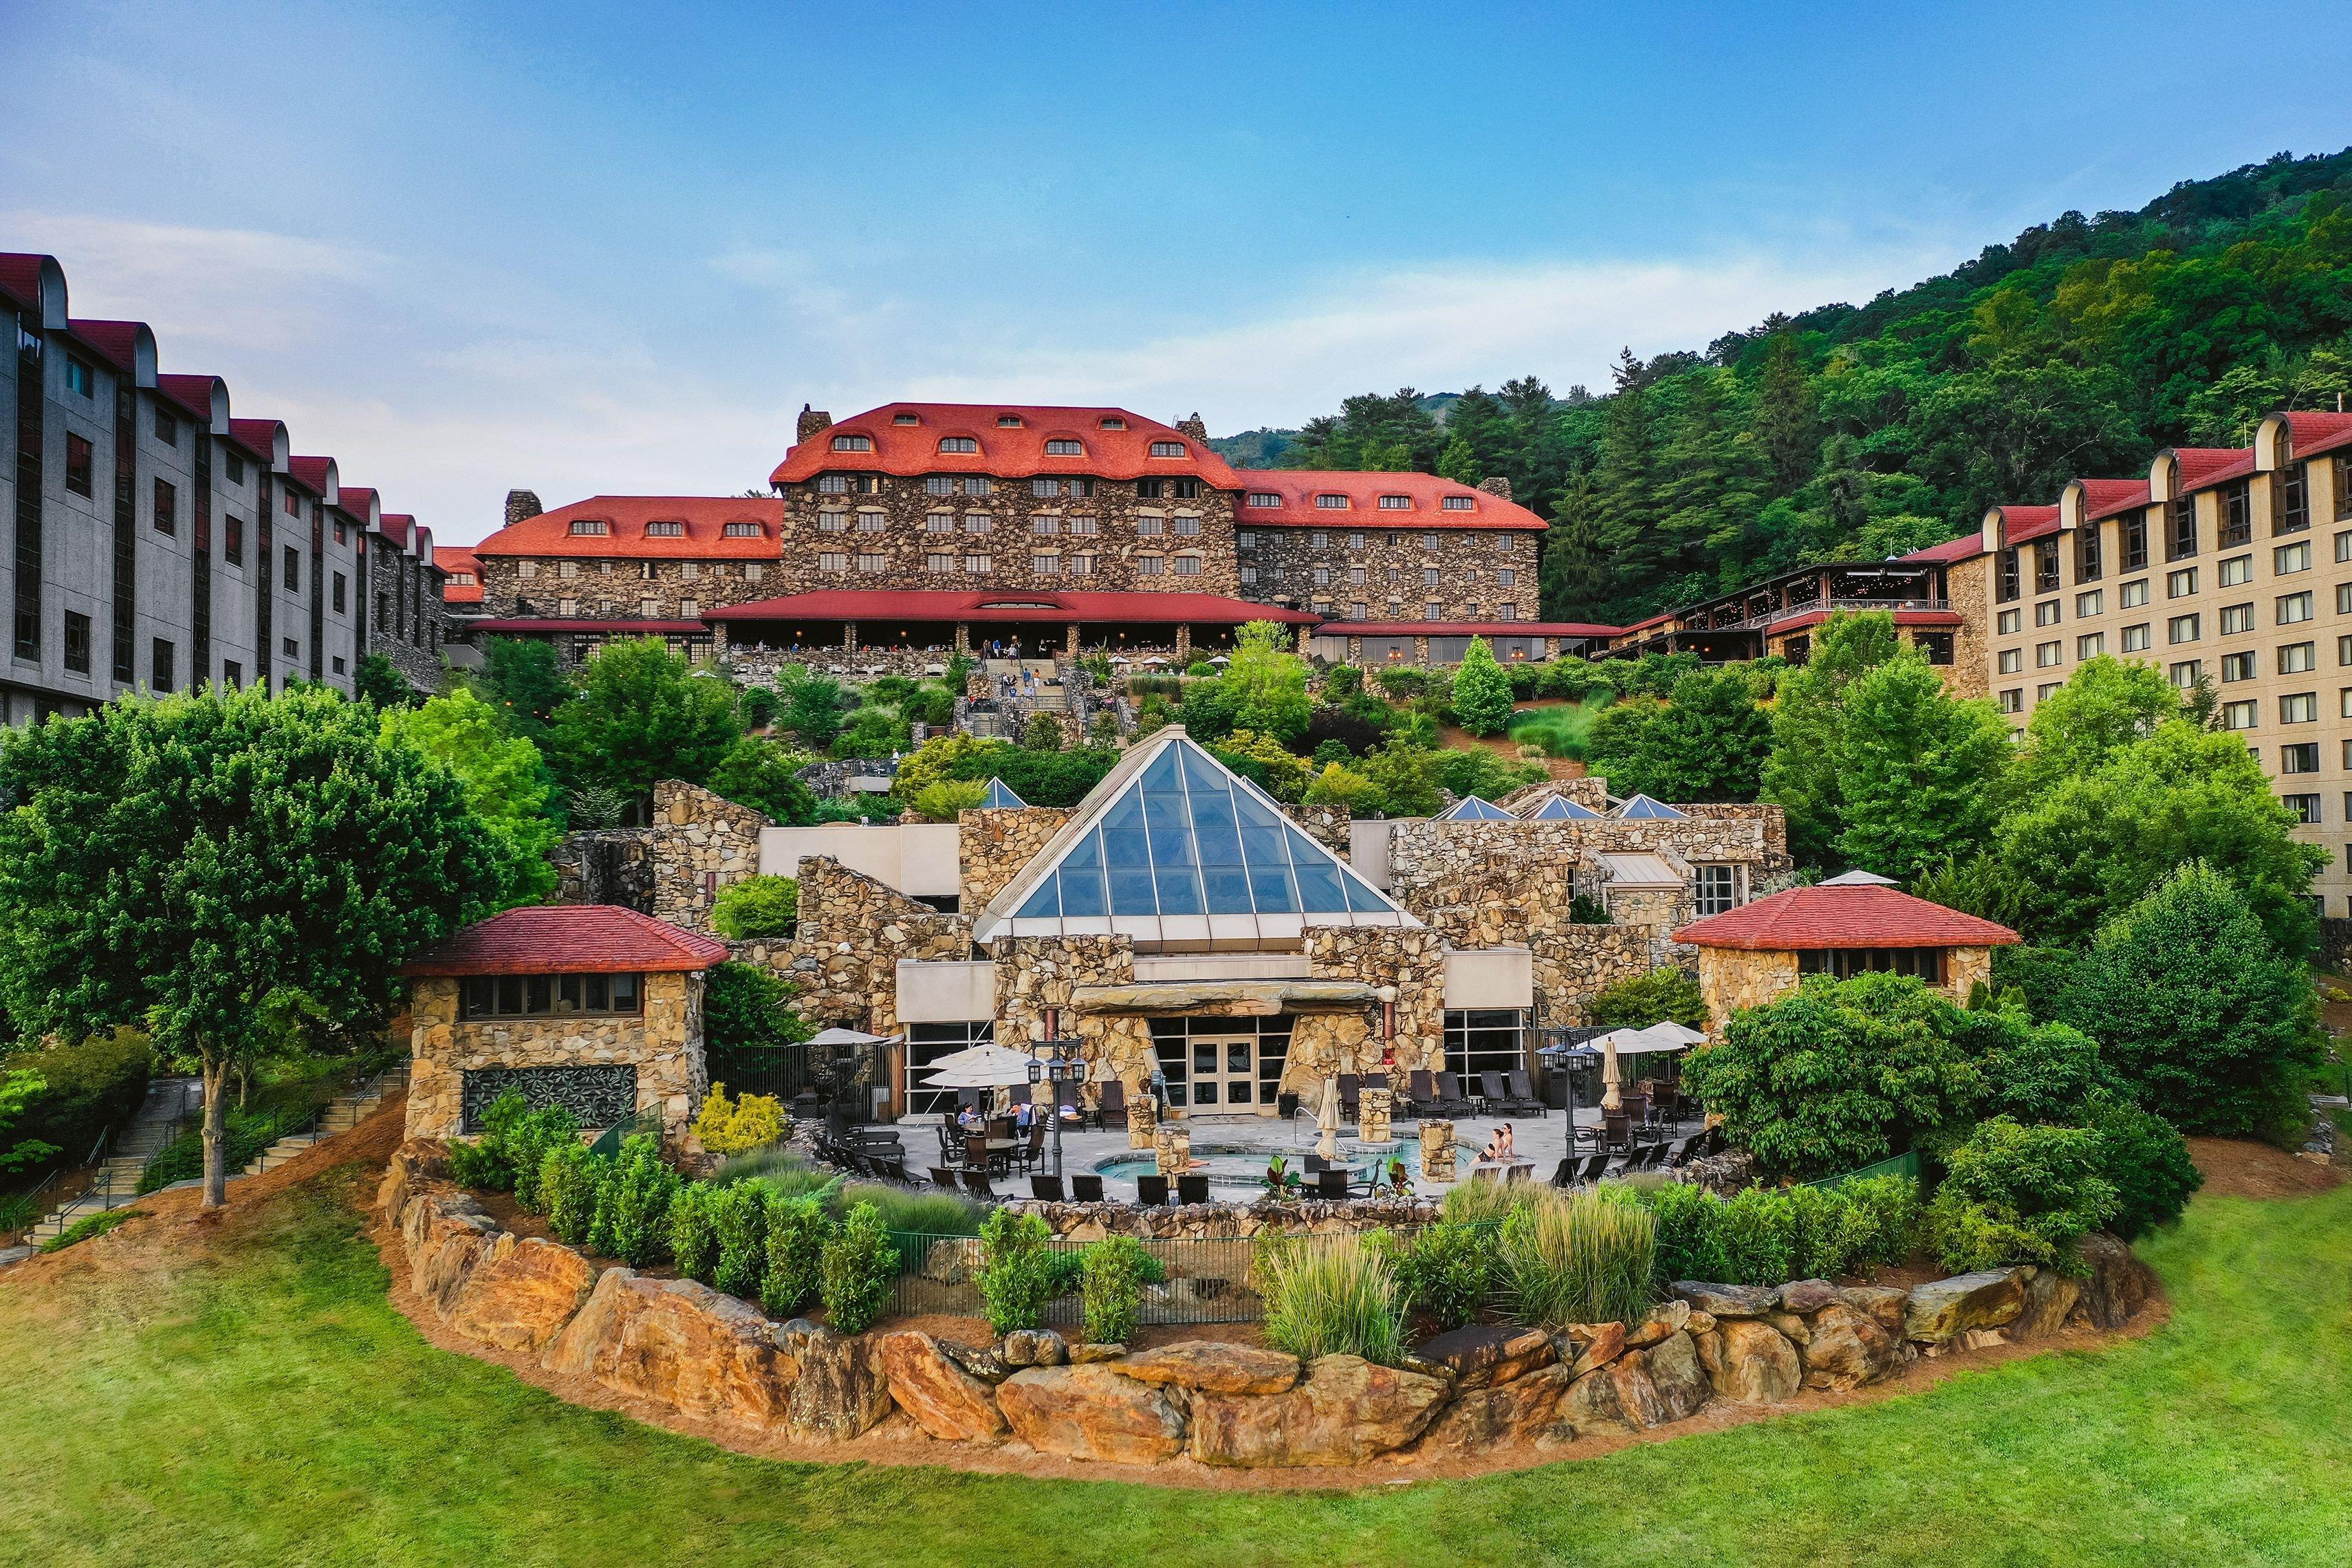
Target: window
{"type": "Point", "coordinates": [1085, 525]}
{"type": "Point", "coordinates": [2090, 644]}
{"type": "Point", "coordinates": [160, 674]}
{"type": "Point", "coordinates": [2087, 562]}
{"type": "Point", "coordinates": [1458, 503]}
{"type": "Point", "coordinates": [2238, 715]}
{"type": "Point", "coordinates": [1356, 611]}
{"type": "Point", "coordinates": [1429, 577]}
{"type": "Point", "coordinates": [938, 562]}
{"type": "Point", "coordinates": [1150, 489]}
{"type": "Point", "coordinates": [571, 569]}
{"type": "Point", "coordinates": [77, 642]}
{"type": "Point", "coordinates": [2237, 618]}
{"type": "Point", "coordinates": [2131, 596]}
{"type": "Point", "coordinates": [744, 531]}
{"type": "Point", "coordinates": [2180, 584]}
{"type": "Point", "coordinates": [2299, 708]}
{"type": "Point", "coordinates": [978, 485]}
{"type": "Point", "coordinates": [1354, 542]}
{"type": "Point", "coordinates": [1429, 542]}
{"type": "Point", "coordinates": [79, 380]}
{"type": "Point", "coordinates": [1150, 527]}
{"type": "Point", "coordinates": [1433, 611]}
{"type": "Point", "coordinates": [1008, 422]}
{"type": "Point", "coordinates": [77, 463]}
{"type": "Point", "coordinates": [1084, 567]}
{"type": "Point", "coordinates": [1148, 565]}
{"type": "Point", "coordinates": [873, 522]}
{"type": "Point", "coordinates": [2045, 566]}
{"type": "Point", "coordinates": [1249, 575]}
{"type": "Point", "coordinates": [2180, 528]}
{"type": "Point", "coordinates": [1355, 575]}
{"type": "Point", "coordinates": [167, 507]}
{"type": "Point", "coordinates": [2046, 613]}
{"type": "Point", "coordinates": [233, 673]}
{"type": "Point", "coordinates": [1507, 577]}
{"type": "Point", "coordinates": [1061, 447]}
{"type": "Point", "coordinates": [2238, 666]}
{"type": "Point", "coordinates": [2343, 702]}
{"type": "Point", "coordinates": [2180, 628]}
{"type": "Point", "coordinates": [1045, 565]}
{"type": "Point", "coordinates": [832, 560]}
{"type": "Point", "coordinates": [2091, 604]}
{"type": "Point", "coordinates": [853, 443]}
{"type": "Point", "coordinates": [293, 578]}
{"type": "Point", "coordinates": [2237, 570]}
{"type": "Point", "coordinates": [666, 530]}
{"type": "Point", "coordinates": [583, 526]}
{"type": "Point", "coordinates": [1158, 449]}
{"type": "Point", "coordinates": [2047, 690]}
{"type": "Point", "coordinates": [1322, 576]}
{"type": "Point", "coordinates": [236, 468]}
{"type": "Point", "coordinates": [167, 427]}
{"type": "Point", "coordinates": [833, 484]}
{"type": "Point", "coordinates": [2237, 515]}
{"type": "Point", "coordinates": [2047, 654]}
{"type": "Point", "coordinates": [2184, 674]}
{"type": "Point", "coordinates": [340, 586]}
{"type": "Point", "coordinates": [1269, 499]}
{"type": "Point", "coordinates": [2289, 558]}
{"type": "Point", "coordinates": [976, 522]}
{"type": "Point", "coordinates": [2012, 659]}
{"type": "Point", "coordinates": [1188, 566]}
{"type": "Point", "coordinates": [977, 565]}
{"type": "Point", "coordinates": [2010, 622]}
{"type": "Point", "coordinates": [2135, 532]}
{"type": "Point", "coordinates": [1045, 490]}
{"type": "Point", "coordinates": [2291, 501]}
{"type": "Point", "coordinates": [832, 522]}
{"type": "Point", "coordinates": [2303, 808]}
{"type": "Point", "coordinates": [1112, 423]}
{"type": "Point", "coordinates": [1396, 503]}
{"type": "Point", "coordinates": [906, 419]}
{"type": "Point", "coordinates": [548, 995]}
{"type": "Point", "coordinates": [867, 561]}
{"type": "Point", "coordinates": [2297, 657]}
{"type": "Point", "coordinates": [1044, 525]}
{"type": "Point", "coordinates": [1331, 503]}
{"type": "Point", "coordinates": [957, 444]}
{"type": "Point", "coordinates": [2300, 758]}
{"type": "Point", "coordinates": [1509, 612]}
{"type": "Point", "coordinates": [2293, 608]}
{"type": "Point", "coordinates": [2010, 584]}
{"type": "Point", "coordinates": [938, 485]}
{"type": "Point", "coordinates": [340, 540]}
{"type": "Point", "coordinates": [939, 523]}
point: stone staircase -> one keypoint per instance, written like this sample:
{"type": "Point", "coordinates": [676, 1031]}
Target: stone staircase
{"type": "Point", "coordinates": [341, 1114]}
{"type": "Point", "coordinates": [171, 1103]}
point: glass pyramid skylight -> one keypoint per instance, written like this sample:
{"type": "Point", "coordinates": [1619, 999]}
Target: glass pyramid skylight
{"type": "Point", "coordinates": [1470, 808]}
{"type": "Point", "coordinates": [1559, 808]}
{"type": "Point", "coordinates": [1182, 838]}
{"type": "Point", "coordinates": [1642, 807]}
{"type": "Point", "coordinates": [1000, 795]}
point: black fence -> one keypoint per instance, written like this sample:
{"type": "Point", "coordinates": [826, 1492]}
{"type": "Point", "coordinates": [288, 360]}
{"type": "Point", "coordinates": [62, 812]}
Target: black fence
{"type": "Point", "coordinates": [841, 1083]}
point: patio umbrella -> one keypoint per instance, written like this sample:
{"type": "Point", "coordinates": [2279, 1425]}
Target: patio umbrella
{"type": "Point", "coordinates": [992, 1067]}
{"type": "Point", "coordinates": [1327, 1120]}
{"type": "Point", "coordinates": [1609, 1100]}
{"type": "Point", "coordinates": [841, 1037]}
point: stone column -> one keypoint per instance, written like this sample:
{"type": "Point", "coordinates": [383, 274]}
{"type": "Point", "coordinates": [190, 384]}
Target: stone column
{"type": "Point", "coordinates": [1438, 1151]}
{"type": "Point", "coordinates": [1072, 642]}
{"type": "Point", "coordinates": [1421, 652]}
{"type": "Point", "coordinates": [1551, 648]}
{"type": "Point", "coordinates": [1142, 1121]}
{"type": "Point", "coordinates": [962, 638]}
{"type": "Point", "coordinates": [1356, 650]}
{"type": "Point", "coordinates": [849, 637]}
{"type": "Point", "coordinates": [1183, 645]}
{"type": "Point", "coordinates": [1372, 1108]}
{"type": "Point", "coordinates": [1172, 1150]}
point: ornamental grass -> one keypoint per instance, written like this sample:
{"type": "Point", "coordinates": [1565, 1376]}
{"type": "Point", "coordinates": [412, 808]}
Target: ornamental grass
{"type": "Point", "coordinates": [1578, 1258]}
{"type": "Point", "coordinates": [1335, 1297]}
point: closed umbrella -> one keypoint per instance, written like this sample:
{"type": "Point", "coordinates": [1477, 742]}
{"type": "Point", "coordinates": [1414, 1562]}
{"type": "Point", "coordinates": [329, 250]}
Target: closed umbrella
{"type": "Point", "coordinates": [1327, 1119]}
{"type": "Point", "coordinates": [1609, 1100]}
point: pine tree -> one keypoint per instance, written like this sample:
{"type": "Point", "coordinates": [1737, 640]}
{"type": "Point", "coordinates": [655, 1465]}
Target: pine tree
{"type": "Point", "coordinates": [1787, 421]}
{"type": "Point", "coordinates": [1458, 464]}
{"type": "Point", "coordinates": [1482, 692]}
{"type": "Point", "coordinates": [1918, 767]}
{"type": "Point", "coordinates": [1576, 579]}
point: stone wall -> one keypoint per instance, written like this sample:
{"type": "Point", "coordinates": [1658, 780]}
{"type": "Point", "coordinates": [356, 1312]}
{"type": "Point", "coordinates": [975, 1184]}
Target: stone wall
{"type": "Point", "coordinates": [1731, 978]}
{"type": "Point", "coordinates": [1326, 824]}
{"type": "Point", "coordinates": [1429, 854]}
{"type": "Point", "coordinates": [1034, 972]}
{"type": "Point", "coordinates": [1386, 569]}
{"type": "Point", "coordinates": [1323, 1044]}
{"type": "Point", "coordinates": [852, 933]}
{"type": "Point", "coordinates": [606, 866]}
{"type": "Point", "coordinates": [700, 843]}
{"type": "Point", "coordinates": [1574, 962]}
{"type": "Point", "coordinates": [994, 843]}
{"type": "Point", "coordinates": [1963, 967]}
{"type": "Point", "coordinates": [609, 590]}
{"type": "Point", "coordinates": [1968, 585]}
{"type": "Point", "coordinates": [1591, 792]}
{"type": "Point", "coordinates": [663, 1042]}
{"type": "Point", "coordinates": [1498, 903]}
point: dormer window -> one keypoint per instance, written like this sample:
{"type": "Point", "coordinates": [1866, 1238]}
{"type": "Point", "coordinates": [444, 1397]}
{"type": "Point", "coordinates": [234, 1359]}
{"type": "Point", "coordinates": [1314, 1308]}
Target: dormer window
{"type": "Point", "coordinates": [1459, 503]}
{"type": "Point", "coordinates": [1331, 503]}
{"type": "Point", "coordinates": [744, 531]}
{"type": "Point", "coordinates": [666, 530]}
{"type": "Point", "coordinates": [833, 484]}
{"type": "Point", "coordinates": [853, 443]}
{"type": "Point", "coordinates": [1168, 448]}
{"type": "Point", "coordinates": [906, 419]}
{"type": "Point", "coordinates": [1264, 497]}
{"type": "Point", "coordinates": [957, 444]}
{"type": "Point", "coordinates": [584, 526]}
{"type": "Point", "coordinates": [1064, 447]}
{"type": "Point", "coordinates": [1396, 503]}
{"type": "Point", "coordinates": [1114, 423]}
{"type": "Point", "coordinates": [1008, 422]}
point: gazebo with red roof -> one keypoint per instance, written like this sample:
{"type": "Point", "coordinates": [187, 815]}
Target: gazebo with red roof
{"type": "Point", "coordinates": [1846, 926]}
{"type": "Point", "coordinates": [590, 1006]}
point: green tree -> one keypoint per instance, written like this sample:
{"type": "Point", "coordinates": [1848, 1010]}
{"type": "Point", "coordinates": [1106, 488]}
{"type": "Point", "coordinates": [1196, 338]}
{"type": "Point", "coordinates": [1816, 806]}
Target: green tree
{"type": "Point", "coordinates": [644, 714]}
{"type": "Point", "coordinates": [2207, 1021]}
{"type": "Point", "coordinates": [757, 907]}
{"type": "Point", "coordinates": [1042, 733]}
{"type": "Point", "coordinates": [525, 682]}
{"type": "Point", "coordinates": [765, 776]}
{"type": "Point", "coordinates": [1660, 996]}
{"type": "Point", "coordinates": [1482, 692]}
{"type": "Point", "coordinates": [1801, 773]}
{"type": "Point", "coordinates": [1787, 419]}
{"type": "Point", "coordinates": [744, 1005]}
{"type": "Point", "coordinates": [201, 861]}
{"type": "Point", "coordinates": [507, 785]}
{"type": "Point", "coordinates": [1917, 767]}
{"type": "Point", "coordinates": [2105, 706]}
{"type": "Point", "coordinates": [19, 1088]}
{"type": "Point", "coordinates": [813, 707]}
{"type": "Point", "coordinates": [1458, 463]}
{"type": "Point", "coordinates": [1267, 682]}
{"type": "Point", "coordinates": [377, 680]}
{"type": "Point", "coordinates": [1709, 744]}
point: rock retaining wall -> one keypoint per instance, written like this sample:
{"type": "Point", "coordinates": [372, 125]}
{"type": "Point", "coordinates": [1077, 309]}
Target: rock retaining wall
{"type": "Point", "coordinates": [692, 1349]}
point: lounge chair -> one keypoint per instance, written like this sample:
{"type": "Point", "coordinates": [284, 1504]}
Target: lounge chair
{"type": "Point", "coordinates": [1046, 1189]}
{"type": "Point", "coordinates": [1113, 1111]}
{"type": "Point", "coordinates": [1351, 1094]}
{"type": "Point", "coordinates": [943, 1177]}
{"type": "Point", "coordinates": [1332, 1184]}
{"type": "Point", "coordinates": [1192, 1189]}
{"type": "Point", "coordinates": [895, 1171]}
{"type": "Point", "coordinates": [1151, 1192]}
{"type": "Point", "coordinates": [1565, 1176]}
{"type": "Point", "coordinates": [1421, 1092]}
{"type": "Point", "coordinates": [1451, 1100]}
{"type": "Point", "coordinates": [1679, 1153]}
{"type": "Point", "coordinates": [975, 1181]}
{"type": "Point", "coordinates": [1592, 1170]}
{"type": "Point", "coordinates": [1086, 1189]}
{"type": "Point", "coordinates": [1524, 1093]}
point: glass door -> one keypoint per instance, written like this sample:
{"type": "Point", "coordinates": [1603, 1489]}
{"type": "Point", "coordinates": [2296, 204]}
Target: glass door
{"type": "Point", "coordinates": [1225, 1073]}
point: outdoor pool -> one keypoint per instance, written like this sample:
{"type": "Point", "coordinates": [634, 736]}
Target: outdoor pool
{"type": "Point", "coordinates": [1234, 1166]}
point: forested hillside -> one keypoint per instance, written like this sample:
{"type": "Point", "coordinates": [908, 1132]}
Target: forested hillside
{"type": "Point", "coordinates": [2081, 347]}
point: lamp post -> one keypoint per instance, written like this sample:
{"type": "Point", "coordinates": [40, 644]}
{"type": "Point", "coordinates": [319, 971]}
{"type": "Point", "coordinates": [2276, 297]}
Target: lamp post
{"type": "Point", "coordinates": [1062, 1066]}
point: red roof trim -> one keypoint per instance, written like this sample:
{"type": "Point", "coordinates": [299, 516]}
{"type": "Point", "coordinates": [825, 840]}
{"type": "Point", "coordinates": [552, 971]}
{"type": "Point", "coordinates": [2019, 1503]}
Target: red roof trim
{"type": "Point", "coordinates": [2019, 524]}
{"type": "Point", "coordinates": [556, 626]}
{"type": "Point", "coordinates": [1801, 619]}
{"type": "Point", "coordinates": [1002, 606]}
{"type": "Point", "coordinates": [569, 939]}
{"type": "Point", "coordinates": [1463, 629]}
{"type": "Point", "coordinates": [1803, 918]}
{"type": "Point", "coordinates": [1966, 547]}
{"type": "Point", "coordinates": [1299, 487]}
{"type": "Point", "coordinates": [1011, 452]}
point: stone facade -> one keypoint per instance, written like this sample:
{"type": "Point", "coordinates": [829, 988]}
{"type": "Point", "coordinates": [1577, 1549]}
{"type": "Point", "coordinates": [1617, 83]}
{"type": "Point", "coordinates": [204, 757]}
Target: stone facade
{"type": "Point", "coordinates": [1732, 978]}
{"type": "Point", "coordinates": [852, 933]}
{"type": "Point", "coordinates": [1324, 1045]}
{"type": "Point", "coordinates": [1432, 853]}
{"type": "Point", "coordinates": [1332, 569]}
{"type": "Point", "coordinates": [595, 588]}
{"type": "Point", "coordinates": [701, 843]}
{"type": "Point", "coordinates": [994, 843]}
{"type": "Point", "coordinates": [606, 866]}
{"type": "Point", "coordinates": [880, 534]}
{"type": "Point", "coordinates": [1328, 825]}
{"type": "Point", "coordinates": [663, 1042]}
{"type": "Point", "coordinates": [1034, 973]}
{"type": "Point", "coordinates": [407, 619]}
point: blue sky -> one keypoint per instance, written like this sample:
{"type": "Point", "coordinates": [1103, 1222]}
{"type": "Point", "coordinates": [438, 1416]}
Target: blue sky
{"type": "Point", "coordinates": [591, 249]}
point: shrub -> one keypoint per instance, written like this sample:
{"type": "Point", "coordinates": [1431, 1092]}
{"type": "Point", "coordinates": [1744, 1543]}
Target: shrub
{"type": "Point", "coordinates": [605, 1173]}
{"type": "Point", "coordinates": [2014, 1194]}
{"type": "Point", "coordinates": [1020, 1270]}
{"type": "Point", "coordinates": [1475, 1203]}
{"type": "Point", "coordinates": [1112, 1274]}
{"type": "Point", "coordinates": [1881, 1220]}
{"type": "Point", "coordinates": [488, 1164]}
{"type": "Point", "coordinates": [1446, 1270]}
{"type": "Point", "coordinates": [745, 1004]}
{"type": "Point", "coordinates": [1687, 1245]}
{"type": "Point", "coordinates": [1640, 1000]}
{"type": "Point", "coordinates": [567, 1185]}
{"type": "Point", "coordinates": [1755, 1238]}
{"type": "Point", "coordinates": [798, 1229]}
{"type": "Point", "coordinates": [643, 1190]}
{"type": "Point", "coordinates": [780, 1171]}
{"type": "Point", "coordinates": [2147, 1160]}
{"type": "Point", "coordinates": [757, 907]}
{"type": "Point", "coordinates": [1582, 1257]}
{"type": "Point", "coordinates": [899, 1209]}
{"type": "Point", "coordinates": [534, 1135]}
{"type": "Point", "coordinates": [694, 1230]}
{"type": "Point", "coordinates": [738, 1126]}
{"type": "Point", "coordinates": [94, 1083]}
{"type": "Point", "coordinates": [944, 801]}
{"type": "Point", "coordinates": [1332, 1297]}
{"type": "Point", "coordinates": [739, 1216]}
{"type": "Point", "coordinates": [859, 1269]}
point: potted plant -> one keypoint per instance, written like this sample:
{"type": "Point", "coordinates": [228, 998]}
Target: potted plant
{"type": "Point", "coordinates": [1283, 1184]}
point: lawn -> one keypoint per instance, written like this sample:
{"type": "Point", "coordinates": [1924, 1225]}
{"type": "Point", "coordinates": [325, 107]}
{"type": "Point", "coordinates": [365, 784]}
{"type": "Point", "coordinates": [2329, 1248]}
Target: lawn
{"type": "Point", "coordinates": [1559, 728]}
{"type": "Point", "coordinates": [268, 1405]}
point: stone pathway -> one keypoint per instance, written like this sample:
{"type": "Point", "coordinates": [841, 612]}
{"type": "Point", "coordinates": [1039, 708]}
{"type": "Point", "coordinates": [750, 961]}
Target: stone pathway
{"type": "Point", "coordinates": [170, 1104]}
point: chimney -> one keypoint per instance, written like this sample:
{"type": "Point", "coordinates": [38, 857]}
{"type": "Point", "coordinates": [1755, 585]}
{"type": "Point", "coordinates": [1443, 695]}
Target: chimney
{"type": "Point", "coordinates": [522, 506]}
{"type": "Point", "coordinates": [1193, 427]}
{"type": "Point", "coordinates": [811, 421]}
{"type": "Point", "coordinates": [1496, 488]}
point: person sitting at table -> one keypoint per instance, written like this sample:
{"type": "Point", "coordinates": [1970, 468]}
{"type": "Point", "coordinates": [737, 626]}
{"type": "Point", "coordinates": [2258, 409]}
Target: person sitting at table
{"type": "Point", "coordinates": [1499, 1147]}
{"type": "Point", "coordinates": [968, 1119]}
{"type": "Point", "coordinates": [1025, 1116]}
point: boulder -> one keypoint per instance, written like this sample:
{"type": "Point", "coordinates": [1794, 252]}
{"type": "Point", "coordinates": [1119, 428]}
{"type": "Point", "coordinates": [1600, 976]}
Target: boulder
{"type": "Point", "coordinates": [1522, 1410]}
{"type": "Point", "coordinates": [1604, 1343]}
{"type": "Point", "coordinates": [840, 1391]}
{"type": "Point", "coordinates": [1213, 1367]}
{"type": "Point", "coordinates": [1723, 1301]}
{"type": "Point", "coordinates": [982, 1361]}
{"type": "Point", "coordinates": [1982, 1339]}
{"type": "Point", "coordinates": [1666, 1318]}
{"type": "Point", "coordinates": [1034, 1347]}
{"type": "Point", "coordinates": [1482, 1354]}
{"type": "Point", "coordinates": [1091, 1413]}
{"type": "Point", "coordinates": [521, 1293]}
{"type": "Point", "coordinates": [1698, 1323]}
{"type": "Point", "coordinates": [2050, 1300]}
{"type": "Point", "coordinates": [1675, 1371]}
{"type": "Point", "coordinates": [446, 1237]}
{"type": "Point", "coordinates": [1636, 1395]}
{"type": "Point", "coordinates": [1944, 1308]}
{"type": "Point", "coordinates": [1344, 1411]}
{"type": "Point", "coordinates": [1848, 1348]}
{"type": "Point", "coordinates": [953, 1261]}
{"type": "Point", "coordinates": [944, 1399]}
{"type": "Point", "coordinates": [2119, 1283]}
{"type": "Point", "coordinates": [1805, 1296]}
{"type": "Point", "coordinates": [1792, 1327]}
{"type": "Point", "coordinates": [1086, 1354]}
{"type": "Point", "coordinates": [1888, 1304]}
{"type": "Point", "coordinates": [1593, 1404]}
{"type": "Point", "coordinates": [680, 1343]}
{"type": "Point", "coordinates": [1757, 1365]}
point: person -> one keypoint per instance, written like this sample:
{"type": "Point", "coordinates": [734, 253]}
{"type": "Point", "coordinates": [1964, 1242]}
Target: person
{"type": "Point", "coordinates": [1499, 1148]}
{"type": "Point", "coordinates": [968, 1119]}
{"type": "Point", "coordinates": [1024, 1115]}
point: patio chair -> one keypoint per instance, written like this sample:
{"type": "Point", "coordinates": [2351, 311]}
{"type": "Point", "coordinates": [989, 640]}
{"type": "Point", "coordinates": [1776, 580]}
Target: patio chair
{"type": "Point", "coordinates": [1151, 1192]}
{"type": "Point", "coordinates": [1593, 1169]}
{"type": "Point", "coordinates": [895, 1171]}
{"type": "Point", "coordinates": [1192, 1189]}
{"type": "Point", "coordinates": [975, 1181]}
{"type": "Point", "coordinates": [1086, 1189]}
{"type": "Point", "coordinates": [977, 1156]}
{"type": "Point", "coordinates": [1637, 1109]}
{"type": "Point", "coordinates": [1019, 1093]}
{"type": "Point", "coordinates": [1351, 1096]}
{"type": "Point", "coordinates": [1332, 1184]}
{"type": "Point", "coordinates": [943, 1177]}
{"type": "Point", "coordinates": [1523, 1092]}
{"type": "Point", "coordinates": [1616, 1133]}
{"type": "Point", "coordinates": [1494, 1098]}
{"type": "Point", "coordinates": [1035, 1150]}
{"type": "Point", "coordinates": [1376, 1080]}
{"type": "Point", "coordinates": [1046, 1189]}
{"type": "Point", "coordinates": [1451, 1100]}
{"type": "Point", "coordinates": [1421, 1091]}
{"type": "Point", "coordinates": [1113, 1110]}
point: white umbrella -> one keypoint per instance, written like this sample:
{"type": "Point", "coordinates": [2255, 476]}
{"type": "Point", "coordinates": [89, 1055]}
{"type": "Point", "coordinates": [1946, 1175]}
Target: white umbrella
{"type": "Point", "coordinates": [964, 1057]}
{"type": "Point", "coordinates": [995, 1067]}
{"type": "Point", "coordinates": [1609, 1100]}
{"type": "Point", "coordinates": [1327, 1119]}
{"type": "Point", "coordinates": [840, 1036]}
{"type": "Point", "coordinates": [1666, 1036]}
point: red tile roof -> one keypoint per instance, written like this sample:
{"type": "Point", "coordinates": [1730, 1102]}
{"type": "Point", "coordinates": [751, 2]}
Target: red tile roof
{"type": "Point", "coordinates": [2314, 433]}
{"type": "Point", "coordinates": [395, 526]}
{"type": "Point", "coordinates": [192, 392]}
{"type": "Point", "coordinates": [569, 939]}
{"type": "Point", "coordinates": [20, 277]}
{"type": "Point", "coordinates": [1960, 549]}
{"type": "Point", "coordinates": [1299, 487]}
{"type": "Point", "coordinates": [2021, 523]}
{"type": "Point", "coordinates": [1463, 629]}
{"type": "Point", "coordinates": [454, 561]}
{"type": "Point", "coordinates": [2103, 499]}
{"type": "Point", "coordinates": [625, 518]}
{"type": "Point", "coordinates": [311, 471]}
{"type": "Point", "coordinates": [551, 625]}
{"type": "Point", "coordinates": [259, 436]}
{"type": "Point", "coordinates": [2201, 468]}
{"type": "Point", "coordinates": [1857, 916]}
{"type": "Point", "coordinates": [1660, 618]}
{"type": "Point", "coordinates": [115, 342]}
{"type": "Point", "coordinates": [1798, 620]}
{"type": "Point", "coordinates": [881, 606]}
{"type": "Point", "coordinates": [1010, 452]}
{"type": "Point", "coordinates": [360, 501]}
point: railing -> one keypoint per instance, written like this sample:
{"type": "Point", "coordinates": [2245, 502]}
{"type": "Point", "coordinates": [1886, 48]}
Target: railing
{"type": "Point", "coordinates": [789, 1072]}
{"type": "Point", "coordinates": [1826, 605]}
{"type": "Point", "coordinates": [1904, 1165]}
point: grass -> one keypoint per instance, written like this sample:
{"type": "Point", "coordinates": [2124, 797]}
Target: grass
{"type": "Point", "coordinates": [1560, 730]}
{"type": "Point", "coordinates": [265, 1405]}
{"type": "Point", "coordinates": [87, 1227]}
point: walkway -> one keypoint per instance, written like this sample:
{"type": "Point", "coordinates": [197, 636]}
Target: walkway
{"type": "Point", "coordinates": [172, 1104]}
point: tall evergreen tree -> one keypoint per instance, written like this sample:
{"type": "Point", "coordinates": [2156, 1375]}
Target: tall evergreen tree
{"type": "Point", "coordinates": [1787, 420]}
